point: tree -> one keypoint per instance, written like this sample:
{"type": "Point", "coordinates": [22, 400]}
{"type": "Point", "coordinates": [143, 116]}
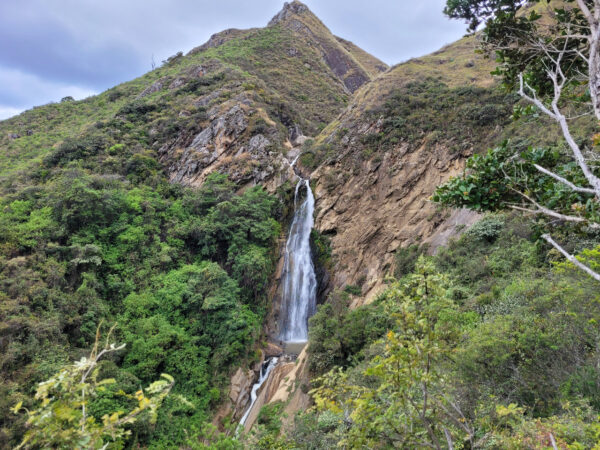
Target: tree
{"type": "Point", "coordinates": [553, 59]}
{"type": "Point", "coordinates": [404, 404]}
{"type": "Point", "coordinates": [477, 11]}
{"type": "Point", "coordinates": [61, 420]}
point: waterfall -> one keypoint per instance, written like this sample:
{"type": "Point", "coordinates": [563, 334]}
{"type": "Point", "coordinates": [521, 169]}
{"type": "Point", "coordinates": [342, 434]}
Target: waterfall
{"type": "Point", "coordinates": [265, 370]}
{"type": "Point", "coordinates": [299, 291]}
{"type": "Point", "coordinates": [299, 285]}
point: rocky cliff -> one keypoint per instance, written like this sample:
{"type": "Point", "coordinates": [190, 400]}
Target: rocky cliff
{"type": "Point", "coordinates": [376, 165]}
{"type": "Point", "coordinates": [375, 141]}
{"type": "Point", "coordinates": [272, 86]}
{"type": "Point", "coordinates": [398, 134]}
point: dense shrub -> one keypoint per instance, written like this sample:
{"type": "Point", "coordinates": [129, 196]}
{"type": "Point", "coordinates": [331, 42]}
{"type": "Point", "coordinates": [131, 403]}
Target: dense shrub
{"type": "Point", "coordinates": [422, 108]}
{"type": "Point", "coordinates": [76, 148]}
{"type": "Point", "coordinates": [514, 344]}
{"type": "Point", "coordinates": [406, 258]}
{"type": "Point", "coordinates": [338, 335]}
{"type": "Point", "coordinates": [183, 272]}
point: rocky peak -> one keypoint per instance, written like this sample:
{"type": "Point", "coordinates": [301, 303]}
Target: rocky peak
{"type": "Point", "coordinates": [289, 9]}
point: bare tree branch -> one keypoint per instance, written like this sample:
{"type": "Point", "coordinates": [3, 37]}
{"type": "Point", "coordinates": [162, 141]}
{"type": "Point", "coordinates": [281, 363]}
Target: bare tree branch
{"type": "Point", "coordinates": [564, 181]}
{"type": "Point", "coordinates": [586, 11]}
{"type": "Point", "coordinates": [537, 102]}
{"type": "Point", "coordinates": [571, 258]}
{"type": "Point", "coordinates": [448, 439]}
{"type": "Point", "coordinates": [551, 213]}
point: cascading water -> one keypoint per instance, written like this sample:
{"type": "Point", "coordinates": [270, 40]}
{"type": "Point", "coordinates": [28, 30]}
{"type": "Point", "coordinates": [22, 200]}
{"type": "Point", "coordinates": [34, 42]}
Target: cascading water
{"type": "Point", "coordinates": [299, 291]}
{"type": "Point", "coordinates": [265, 370]}
{"type": "Point", "coordinates": [299, 288]}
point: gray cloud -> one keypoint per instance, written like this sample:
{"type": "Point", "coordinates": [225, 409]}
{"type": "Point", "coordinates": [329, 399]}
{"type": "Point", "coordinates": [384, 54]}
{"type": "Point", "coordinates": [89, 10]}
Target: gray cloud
{"type": "Point", "coordinates": [80, 47]}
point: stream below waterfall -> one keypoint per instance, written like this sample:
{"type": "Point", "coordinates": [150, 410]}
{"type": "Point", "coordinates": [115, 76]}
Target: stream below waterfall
{"type": "Point", "coordinates": [299, 285]}
{"type": "Point", "coordinates": [265, 370]}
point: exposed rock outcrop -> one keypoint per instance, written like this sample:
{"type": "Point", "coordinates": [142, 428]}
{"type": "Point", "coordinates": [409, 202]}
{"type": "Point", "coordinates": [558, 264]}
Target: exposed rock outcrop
{"type": "Point", "coordinates": [384, 206]}
{"type": "Point", "coordinates": [371, 206]}
{"type": "Point", "coordinates": [226, 145]}
{"type": "Point", "coordinates": [289, 9]}
{"type": "Point", "coordinates": [254, 91]}
{"type": "Point", "coordinates": [239, 391]}
{"type": "Point", "coordinates": [287, 384]}
{"type": "Point", "coordinates": [154, 87]}
{"type": "Point", "coordinates": [343, 58]}
{"type": "Point", "coordinates": [218, 39]}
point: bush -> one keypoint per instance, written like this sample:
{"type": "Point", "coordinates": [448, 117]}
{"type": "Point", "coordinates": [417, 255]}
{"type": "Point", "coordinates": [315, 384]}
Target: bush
{"type": "Point", "coordinates": [406, 259]}
{"type": "Point", "coordinates": [487, 229]}
{"type": "Point", "coordinates": [76, 148]}
{"type": "Point", "coordinates": [338, 335]}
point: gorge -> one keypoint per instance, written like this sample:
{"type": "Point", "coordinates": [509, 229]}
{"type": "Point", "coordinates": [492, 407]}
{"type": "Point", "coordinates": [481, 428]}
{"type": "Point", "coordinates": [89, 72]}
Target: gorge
{"type": "Point", "coordinates": [267, 240]}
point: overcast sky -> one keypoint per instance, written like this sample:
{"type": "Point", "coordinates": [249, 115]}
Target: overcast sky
{"type": "Point", "coordinates": [53, 48]}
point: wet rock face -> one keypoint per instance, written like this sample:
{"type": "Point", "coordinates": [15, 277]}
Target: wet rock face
{"type": "Point", "coordinates": [284, 385]}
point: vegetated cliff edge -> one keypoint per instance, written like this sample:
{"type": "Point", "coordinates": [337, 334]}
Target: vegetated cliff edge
{"type": "Point", "coordinates": [295, 77]}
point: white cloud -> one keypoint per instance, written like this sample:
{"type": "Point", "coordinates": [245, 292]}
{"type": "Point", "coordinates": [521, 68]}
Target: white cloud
{"type": "Point", "coordinates": [7, 112]}
{"type": "Point", "coordinates": [28, 90]}
{"type": "Point", "coordinates": [49, 50]}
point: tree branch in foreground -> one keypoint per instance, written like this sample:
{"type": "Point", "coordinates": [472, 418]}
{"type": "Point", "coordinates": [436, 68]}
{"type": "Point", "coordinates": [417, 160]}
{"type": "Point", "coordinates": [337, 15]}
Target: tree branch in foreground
{"type": "Point", "coordinates": [571, 258]}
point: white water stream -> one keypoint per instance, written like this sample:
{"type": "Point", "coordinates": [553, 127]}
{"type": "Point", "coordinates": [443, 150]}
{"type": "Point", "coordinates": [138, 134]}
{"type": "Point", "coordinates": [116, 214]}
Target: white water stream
{"type": "Point", "coordinates": [265, 370]}
{"type": "Point", "coordinates": [299, 293]}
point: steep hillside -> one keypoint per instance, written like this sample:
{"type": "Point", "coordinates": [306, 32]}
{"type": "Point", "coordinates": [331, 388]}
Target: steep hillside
{"type": "Point", "coordinates": [111, 213]}
{"type": "Point", "coordinates": [249, 91]}
{"type": "Point", "coordinates": [403, 134]}
{"type": "Point", "coordinates": [162, 205]}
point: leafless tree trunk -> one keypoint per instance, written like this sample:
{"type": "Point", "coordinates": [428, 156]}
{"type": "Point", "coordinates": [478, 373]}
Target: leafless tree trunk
{"type": "Point", "coordinates": [556, 52]}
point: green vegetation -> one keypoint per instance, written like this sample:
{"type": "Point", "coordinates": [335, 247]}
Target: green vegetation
{"type": "Point", "coordinates": [489, 344]}
{"type": "Point", "coordinates": [558, 183]}
{"type": "Point", "coordinates": [338, 335]}
{"type": "Point", "coordinates": [421, 109]}
{"type": "Point", "coordinates": [64, 420]}
{"type": "Point", "coordinates": [494, 181]}
{"type": "Point", "coordinates": [414, 113]}
{"type": "Point", "coordinates": [92, 229]}
{"type": "Point", "coordinates": [287, 75]}
{"type": "Point", "coordinates": [183, 272]}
